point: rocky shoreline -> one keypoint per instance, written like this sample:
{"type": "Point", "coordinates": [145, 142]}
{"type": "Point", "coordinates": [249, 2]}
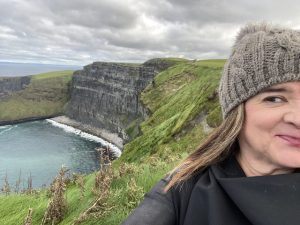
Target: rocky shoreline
{"type": "Point", "coordinates": [29, 119]}
{"type": "Point", "coordinates": [105, 134]}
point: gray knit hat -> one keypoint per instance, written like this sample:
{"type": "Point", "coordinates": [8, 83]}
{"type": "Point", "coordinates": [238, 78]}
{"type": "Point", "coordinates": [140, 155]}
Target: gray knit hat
{"type": "Point", "coordinates": [263, 55]}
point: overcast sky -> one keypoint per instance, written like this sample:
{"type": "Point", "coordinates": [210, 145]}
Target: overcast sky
{"type": "Point", "coordinates": [79, 32]}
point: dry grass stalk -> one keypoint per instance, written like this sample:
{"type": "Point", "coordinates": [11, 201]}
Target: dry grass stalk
{"type": "Point", "coordinates": [28, 219]}
{"type": "Point", "coordinates": [126, 169]}
{"type": "Point", "coordinates": [101, 179]}
{"type": "Point", "coordinates": [105, 156]}
{"type": "Point", "coordinates": [100, 207]}
{"type": "Point", "coordinates": [134, 194]}
{"type": "Point", "coordinates": [6, 187]}
{"type": "Point", "coordinates": [29, 185]}
{"type": "Point", "coordinates": [18, 183]}
{"type": "Point", "coordinates": [57, 204]}
{"type": "Point", "coordinates": [79, 181]}
{"type": "Point", "coordinates": [104, 171]}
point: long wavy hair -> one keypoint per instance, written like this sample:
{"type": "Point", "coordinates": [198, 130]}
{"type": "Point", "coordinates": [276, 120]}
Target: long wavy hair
{"type": "Point", "coordinates": [214, 149]}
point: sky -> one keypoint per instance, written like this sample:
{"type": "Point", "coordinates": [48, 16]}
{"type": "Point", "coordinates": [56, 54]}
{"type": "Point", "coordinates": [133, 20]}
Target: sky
{"type": "Point", "coordinates": [79, 32]}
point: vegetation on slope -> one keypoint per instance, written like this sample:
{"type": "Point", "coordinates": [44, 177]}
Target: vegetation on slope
{"type": "Point", "coordinates": [181, 95]}
{"type": "Point", "coordinates": [46, 95]}
{"type": "Point", "coordinates": [182, 100]}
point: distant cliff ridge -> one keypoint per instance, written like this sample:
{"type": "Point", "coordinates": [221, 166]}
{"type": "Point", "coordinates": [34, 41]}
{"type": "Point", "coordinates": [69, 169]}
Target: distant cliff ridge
{"type": "Point", "coordinates": [10, 85]}
{"type": "Point", "coordinates": [106, 95]}
{"type": "Point", "coordinates": [33, 97]}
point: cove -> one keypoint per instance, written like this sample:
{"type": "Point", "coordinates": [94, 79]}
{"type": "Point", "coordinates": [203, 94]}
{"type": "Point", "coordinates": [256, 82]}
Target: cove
{"type": "Point", "coordinates": [40, 148]}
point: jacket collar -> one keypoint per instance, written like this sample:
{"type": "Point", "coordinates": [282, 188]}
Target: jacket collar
{"type": "Point", "coordinates": [273, 199]}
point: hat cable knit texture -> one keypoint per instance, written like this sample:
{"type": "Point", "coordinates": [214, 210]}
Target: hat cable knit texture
{"type": "Point", "coordinates": [263, 55]}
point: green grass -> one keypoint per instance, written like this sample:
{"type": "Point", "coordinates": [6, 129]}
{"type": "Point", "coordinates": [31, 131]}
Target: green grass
{"type": "Point", "coordinates": [181, 97]}
{"type": "Point", "coordinates": [213, 63]}
{"type": "Point", "coordinates": [46, 95]}
{"type": "Point", "coordinates": [180, 94]}
{"type": "Point", "coordinates": [122, 199]}
{"type": "Point", "coordinates": [14, 207]}
{"type": "Point", "coordinates": [60, 74]}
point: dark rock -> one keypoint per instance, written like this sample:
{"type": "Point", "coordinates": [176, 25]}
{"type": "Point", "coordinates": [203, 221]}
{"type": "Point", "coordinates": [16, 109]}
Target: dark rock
{"type": "Point", "coordinates": [28, 119]}
{"type": "Point", "coordinates": [106, 95]}
{"type": "Point", "coordinates": [159, 64]}
{"type": "Point", "coordinates": [10, 85]}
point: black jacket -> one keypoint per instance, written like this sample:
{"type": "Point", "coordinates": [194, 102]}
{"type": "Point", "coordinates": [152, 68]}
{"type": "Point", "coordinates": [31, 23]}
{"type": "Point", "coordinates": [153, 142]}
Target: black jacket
{"type": "Point", "coordinates": [222, 195]}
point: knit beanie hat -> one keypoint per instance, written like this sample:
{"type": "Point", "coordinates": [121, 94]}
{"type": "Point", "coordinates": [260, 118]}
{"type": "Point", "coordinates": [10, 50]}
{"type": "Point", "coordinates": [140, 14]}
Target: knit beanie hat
{"type": "Point", "coordinates": [263, 55]}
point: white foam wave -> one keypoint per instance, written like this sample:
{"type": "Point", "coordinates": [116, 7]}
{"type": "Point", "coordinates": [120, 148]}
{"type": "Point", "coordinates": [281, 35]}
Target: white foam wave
{"type": "Point", "coordinates": [6, 128]}
{"type": "Point", "coordinates": [87, 136]}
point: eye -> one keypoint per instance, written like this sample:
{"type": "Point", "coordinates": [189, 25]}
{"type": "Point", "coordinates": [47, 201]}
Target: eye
{"type": "Point", "coordinates": [274, 99]}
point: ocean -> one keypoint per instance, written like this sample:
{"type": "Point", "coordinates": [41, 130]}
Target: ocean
{"type": "Point", "coordinates": [9, 69]}
{"type": "Point", "coordinates": [38, 149]}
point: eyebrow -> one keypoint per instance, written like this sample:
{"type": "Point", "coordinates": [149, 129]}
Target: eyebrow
{"type": "Point", "coordinates": [274, 90]}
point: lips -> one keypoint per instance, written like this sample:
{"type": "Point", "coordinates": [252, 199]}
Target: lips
{"type": "Point", "coordinates": [294, 141]}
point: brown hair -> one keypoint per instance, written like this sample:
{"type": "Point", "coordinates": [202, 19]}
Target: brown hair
{"type": "Point", "coordinates": [215, 148]}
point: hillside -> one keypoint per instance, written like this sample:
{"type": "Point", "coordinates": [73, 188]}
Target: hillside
{"type": "Point", "coordinates": [106, 97]}
{"type": "Point", "coordinates": [44, 96]}
{"type": "Point", "coordinates": [184, 108]}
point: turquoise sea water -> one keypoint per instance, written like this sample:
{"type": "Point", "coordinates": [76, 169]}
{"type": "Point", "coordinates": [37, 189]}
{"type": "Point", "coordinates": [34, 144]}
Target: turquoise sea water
{"type": "Point", "coordinates": [40, 149]}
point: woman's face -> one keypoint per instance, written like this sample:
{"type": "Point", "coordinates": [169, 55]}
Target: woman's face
{"type": "Point", "coordinates": [270, 137]}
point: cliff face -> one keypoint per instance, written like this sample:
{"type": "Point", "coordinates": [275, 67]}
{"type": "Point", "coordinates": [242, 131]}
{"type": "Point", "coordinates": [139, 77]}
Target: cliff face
{"type": "Point", "coordinates": [106, 95]}
{"type": "Point", "coordinates": [9, 85]}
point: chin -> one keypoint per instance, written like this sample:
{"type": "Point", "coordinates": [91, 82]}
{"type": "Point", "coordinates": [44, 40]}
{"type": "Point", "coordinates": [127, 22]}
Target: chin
{"type": "Point", "coordinates": [291, 164]}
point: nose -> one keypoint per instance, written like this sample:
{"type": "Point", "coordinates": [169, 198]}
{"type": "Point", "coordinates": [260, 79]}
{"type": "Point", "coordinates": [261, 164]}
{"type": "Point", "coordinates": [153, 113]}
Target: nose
{"type": "Point", "coordinates": [292, 115]}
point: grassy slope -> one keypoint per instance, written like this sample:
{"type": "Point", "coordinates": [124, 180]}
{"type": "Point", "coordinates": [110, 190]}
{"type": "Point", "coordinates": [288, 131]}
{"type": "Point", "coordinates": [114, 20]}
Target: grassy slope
{"type": "Point", "coordinates": [181, 95]}
{"type": "Point", "coordinates": [46, 95]}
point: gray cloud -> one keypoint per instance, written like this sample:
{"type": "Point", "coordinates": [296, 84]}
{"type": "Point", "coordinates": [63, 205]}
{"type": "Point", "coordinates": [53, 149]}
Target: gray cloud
{"type": "Point", "coordinates": [79, 32]}
{"type": "Point", "coordinates": [94, 14]}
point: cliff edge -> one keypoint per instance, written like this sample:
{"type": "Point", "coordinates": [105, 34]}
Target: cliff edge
{"type": "Point", "coordinates": [106, 96]}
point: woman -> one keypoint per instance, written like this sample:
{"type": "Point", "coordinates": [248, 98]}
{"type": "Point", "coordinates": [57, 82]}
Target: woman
{"type": "Point", "coordinates": [246, 171]}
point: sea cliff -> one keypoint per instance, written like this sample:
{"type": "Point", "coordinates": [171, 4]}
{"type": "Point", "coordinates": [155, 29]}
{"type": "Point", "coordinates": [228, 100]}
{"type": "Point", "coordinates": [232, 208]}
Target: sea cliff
{"type": "Point", "coordinates": [106, 96]}
{"type": "Point", "coordinates": [33, 97]}
{"type": "Point", "coordinates": [183, 103]}
{"type": "Point", "coordinates": [9, 85]}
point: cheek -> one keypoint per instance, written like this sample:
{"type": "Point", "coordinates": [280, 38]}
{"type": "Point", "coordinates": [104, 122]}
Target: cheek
{"type": "Point", "coordinates": [254, 121]}
{"type": "Point", "coordinates": [259, 126]}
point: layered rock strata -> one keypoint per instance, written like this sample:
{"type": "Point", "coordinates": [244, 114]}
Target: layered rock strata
{"type": "Point", "coordinates": [10, 85]}
{"type": "Point", "coordinates": [106, 95]}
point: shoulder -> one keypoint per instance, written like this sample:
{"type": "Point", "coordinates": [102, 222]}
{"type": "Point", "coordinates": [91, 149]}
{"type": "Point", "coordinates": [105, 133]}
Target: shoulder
{"type": "Point", "coordinates": [182, 191]}
{"type": "Point", "coordinates": [168, 206]}
{"type": "Point", "coordinates": [156, 208]}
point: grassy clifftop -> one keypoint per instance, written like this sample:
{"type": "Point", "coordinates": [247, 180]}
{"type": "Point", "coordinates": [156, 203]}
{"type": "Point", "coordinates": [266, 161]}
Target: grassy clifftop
{"type": "Point", "coordinates": [180, 99]}
{"type": "Point", "coordinates": [46, 95]}
{"type": "Point", "coordinates": [183, 102]}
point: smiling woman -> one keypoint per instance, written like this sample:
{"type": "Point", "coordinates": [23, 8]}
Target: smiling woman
{"type": "Point", "coordinates": [246, 171]}
{"type": "Point", "coordinates": [270, 138]}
